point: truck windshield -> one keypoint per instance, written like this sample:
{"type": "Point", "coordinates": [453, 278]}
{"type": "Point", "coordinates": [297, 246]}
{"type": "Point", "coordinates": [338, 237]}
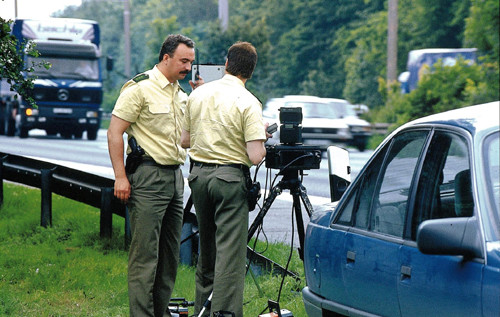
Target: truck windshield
{"type": "Point", "coordinates": [69, 68]}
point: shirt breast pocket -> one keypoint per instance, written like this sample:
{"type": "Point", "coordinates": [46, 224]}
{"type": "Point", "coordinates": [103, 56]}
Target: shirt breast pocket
{"type": "Point", "coordinates": [159, 108]}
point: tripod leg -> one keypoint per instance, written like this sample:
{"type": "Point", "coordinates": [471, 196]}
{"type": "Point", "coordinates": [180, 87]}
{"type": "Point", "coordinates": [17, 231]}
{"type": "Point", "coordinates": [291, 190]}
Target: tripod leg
{"type": "Point", "coordinates": [260, 216]}
{"type": "Point", "coordinates": [305, 200]}
{"type": "Point", "coordinates": [300, 224]}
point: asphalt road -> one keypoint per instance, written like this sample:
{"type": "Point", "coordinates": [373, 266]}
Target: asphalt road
{"type": "Point", "coordinates": [92, 157]}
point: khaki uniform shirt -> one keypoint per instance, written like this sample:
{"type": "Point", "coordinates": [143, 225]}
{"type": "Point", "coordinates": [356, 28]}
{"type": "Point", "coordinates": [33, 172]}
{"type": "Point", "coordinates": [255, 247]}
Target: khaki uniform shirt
{"type": "Point", "coordinates": [155, 107]}
{"type": "Point", "coordinates": [221, 116]}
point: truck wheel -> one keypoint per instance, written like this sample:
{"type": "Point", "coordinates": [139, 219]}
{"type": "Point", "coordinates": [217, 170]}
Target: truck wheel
{"type": "Point", "coordinates": [78, 134]}
{"type": "Point", "coordinates": [10, 126]}
{"type": "Point", "coordinates": [23, 133]}
{"type": "Point", "coordinates": [3, 127]}
{"type": "Point", "coordinates": [92, 134]}
{"type": "Point", "coordinates": [51, 132]}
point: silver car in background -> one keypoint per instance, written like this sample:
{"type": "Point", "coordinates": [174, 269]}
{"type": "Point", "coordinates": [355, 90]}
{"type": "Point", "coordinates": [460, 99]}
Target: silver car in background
{"type": "Point", "coordinates": [321, 125]}
{"type": "Point", "coordinates": [360, 129]}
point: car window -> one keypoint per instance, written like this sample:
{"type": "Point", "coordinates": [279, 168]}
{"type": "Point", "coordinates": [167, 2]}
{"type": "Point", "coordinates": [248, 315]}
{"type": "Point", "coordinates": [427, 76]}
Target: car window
{"type": "Point", "coordinates": [380, 202]}
{"type": "Point", "coordinates": [391, 199]}
{"type": "Point", "coordinates": [313, 109]}
{"type": "Point", "coordinates": [492, 161]}
{"type": "Point", "coordinates": [444, 188]}
{"type": "Point", "coordinates": [343, 109]}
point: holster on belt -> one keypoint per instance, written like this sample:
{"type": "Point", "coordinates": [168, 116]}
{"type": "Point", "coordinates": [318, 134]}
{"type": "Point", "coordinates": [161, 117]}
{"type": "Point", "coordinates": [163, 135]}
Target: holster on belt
{"type": "Point", "coordinates": [134, 158]}
{"type": "Point", "coordinates": [253, 189]}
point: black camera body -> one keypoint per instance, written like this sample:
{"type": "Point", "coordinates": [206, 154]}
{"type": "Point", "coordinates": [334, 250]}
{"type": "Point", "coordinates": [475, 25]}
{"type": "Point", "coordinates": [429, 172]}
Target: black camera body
{"type": "Point", "coordinates": [291, 153]}
{"type": "Point", "coordinates": [298, 157]}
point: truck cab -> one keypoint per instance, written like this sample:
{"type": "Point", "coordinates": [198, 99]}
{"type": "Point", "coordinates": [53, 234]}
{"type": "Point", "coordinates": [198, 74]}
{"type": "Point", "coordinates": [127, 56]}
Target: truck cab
{"type": "Point", "coordinates": [419, 61]}
{"type": "Point", "coordinates": [69, 93]}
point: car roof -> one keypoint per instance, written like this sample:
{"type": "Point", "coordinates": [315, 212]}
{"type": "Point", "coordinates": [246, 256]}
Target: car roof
{"type": "Point", "coordinates": [473, 118]}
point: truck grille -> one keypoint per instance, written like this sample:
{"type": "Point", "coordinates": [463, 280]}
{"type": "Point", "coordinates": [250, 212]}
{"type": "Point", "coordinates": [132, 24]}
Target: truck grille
{"type": "Point", "coordinates": [67, 95]}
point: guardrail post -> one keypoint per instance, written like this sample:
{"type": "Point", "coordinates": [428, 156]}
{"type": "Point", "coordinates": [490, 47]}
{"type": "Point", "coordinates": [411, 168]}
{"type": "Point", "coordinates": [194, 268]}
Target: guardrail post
{"type": "Point", "coordinates": [106, 227]}
{"type": "Point", "coordinates": [46, 189]}
{"type": "Point", "coordinates": [1, 178]}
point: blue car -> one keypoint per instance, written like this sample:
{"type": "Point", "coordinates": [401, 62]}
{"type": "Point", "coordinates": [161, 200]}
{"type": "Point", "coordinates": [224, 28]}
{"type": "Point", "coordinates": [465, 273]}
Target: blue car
{"type": "Point", "coordinates": [418, 231]}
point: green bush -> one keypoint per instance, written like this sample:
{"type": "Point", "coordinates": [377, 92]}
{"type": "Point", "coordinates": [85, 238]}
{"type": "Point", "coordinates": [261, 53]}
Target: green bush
{"type": "Point", "coordinates": [442, 88]}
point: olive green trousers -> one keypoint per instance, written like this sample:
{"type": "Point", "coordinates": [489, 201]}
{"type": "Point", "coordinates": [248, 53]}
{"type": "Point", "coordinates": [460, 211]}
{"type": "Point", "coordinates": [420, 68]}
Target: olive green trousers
{"type": "Point", "coordinates": [156, 211]}
{"type": "Point", "coordinates": [219, 198]}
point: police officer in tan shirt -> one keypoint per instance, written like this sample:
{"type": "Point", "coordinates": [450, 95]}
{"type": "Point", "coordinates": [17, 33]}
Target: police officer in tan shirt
{"type": "Point", "coordinates": [224, 129]}
{"type": "Point", "coordinates": [150, 108]}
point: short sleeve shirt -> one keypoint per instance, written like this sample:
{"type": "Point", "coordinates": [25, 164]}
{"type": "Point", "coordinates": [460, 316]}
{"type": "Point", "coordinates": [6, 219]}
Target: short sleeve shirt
{"type": "Point", "coordinates": [221, 116]}
{"type": "Point", "coordinates": [155, 108]}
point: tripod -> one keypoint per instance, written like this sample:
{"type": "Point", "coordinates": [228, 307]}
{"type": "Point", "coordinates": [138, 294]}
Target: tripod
{"type": "Point", "coordinates": [291, 181]}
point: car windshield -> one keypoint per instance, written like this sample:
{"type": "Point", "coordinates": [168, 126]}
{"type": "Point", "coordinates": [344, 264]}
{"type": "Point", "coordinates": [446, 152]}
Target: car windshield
{"type": "Point", "coordinates": [83, 69]}
{"type": "Point", "coordinates": [314, 109]}
{"type": "Point", "coordinates": [343, 109]}
{"type": "Point", "coordinates": [491, 158]}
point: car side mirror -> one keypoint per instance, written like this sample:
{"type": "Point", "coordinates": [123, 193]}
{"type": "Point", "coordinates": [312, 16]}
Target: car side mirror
{"type": "Point", "coordinates": [339, 171]}
{"type": "Point", "coordinates": [450, 236]}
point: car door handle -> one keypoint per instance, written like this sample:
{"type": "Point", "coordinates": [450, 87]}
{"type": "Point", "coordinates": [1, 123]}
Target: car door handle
{"type": "Point", "coordinates": [405, 272]}
{"type": "Point", "coordinates": [351, 257]}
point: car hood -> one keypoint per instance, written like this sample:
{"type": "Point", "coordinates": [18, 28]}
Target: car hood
{"type": "Point", "coordinates": [324, 123]}
{"type": "Point", "coordinates": [355, 121]}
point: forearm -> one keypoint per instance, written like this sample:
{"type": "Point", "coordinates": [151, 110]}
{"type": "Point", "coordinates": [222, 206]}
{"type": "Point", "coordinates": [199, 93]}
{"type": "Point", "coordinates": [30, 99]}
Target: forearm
{"type": "Point", "coordinates": [185, 139]}
{"type": "Point", "coordinates": [256, 151]}
{"type": "Point", "coordinates": [116, 152]}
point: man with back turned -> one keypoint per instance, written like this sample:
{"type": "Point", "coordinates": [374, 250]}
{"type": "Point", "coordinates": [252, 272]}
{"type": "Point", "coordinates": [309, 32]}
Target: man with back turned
{"type": "Point", "coordinates": [224, 129]}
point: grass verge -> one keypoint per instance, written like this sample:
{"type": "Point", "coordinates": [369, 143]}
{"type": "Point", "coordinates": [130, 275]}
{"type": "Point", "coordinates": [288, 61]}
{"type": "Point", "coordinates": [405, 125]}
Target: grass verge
{"type": "Point", "coordinates": [68, 270]}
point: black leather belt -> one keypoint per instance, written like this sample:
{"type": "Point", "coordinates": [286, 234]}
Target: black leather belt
{"type": "Point", "coordinates": [203, 164]}
{"type": "Point", "coordinates": [151, 162]}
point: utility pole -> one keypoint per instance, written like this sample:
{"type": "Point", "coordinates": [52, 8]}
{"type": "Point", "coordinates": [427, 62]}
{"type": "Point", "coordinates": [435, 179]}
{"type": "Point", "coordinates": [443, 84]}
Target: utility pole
{"type": "Point", "coordinates": [126, 28]}
{"type": "Point", "coordinates": [224, 14]}
{"type": "Point", "coordinates": [392, 41]}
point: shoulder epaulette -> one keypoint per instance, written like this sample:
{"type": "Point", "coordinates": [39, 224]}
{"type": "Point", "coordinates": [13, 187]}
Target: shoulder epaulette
{"type": "Point", "coordinates": [140, 77]}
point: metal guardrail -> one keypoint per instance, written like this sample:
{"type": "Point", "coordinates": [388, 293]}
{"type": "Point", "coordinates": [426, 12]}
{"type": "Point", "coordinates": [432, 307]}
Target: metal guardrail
{"type": "Point", "coordinates": [93, 190]}
{"type": "Point", "coordinates": [380, 128]}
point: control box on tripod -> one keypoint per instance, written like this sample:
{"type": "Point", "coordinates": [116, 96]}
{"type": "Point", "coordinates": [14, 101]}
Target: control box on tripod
{"type": "Point", "coordinates": [291, 153]}
{"type": "Point", "coordinates": [297, 157]}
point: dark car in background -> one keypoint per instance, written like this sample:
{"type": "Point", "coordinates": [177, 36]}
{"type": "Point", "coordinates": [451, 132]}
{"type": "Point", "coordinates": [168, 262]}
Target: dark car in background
{"type": "Point", "coordinates": [418, 231]}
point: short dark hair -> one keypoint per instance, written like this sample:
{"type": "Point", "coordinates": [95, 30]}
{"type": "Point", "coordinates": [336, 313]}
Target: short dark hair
{"type": "Point", "coordinates": [241, 59]}
{"type": "Point", "coordinates": [172, 42]}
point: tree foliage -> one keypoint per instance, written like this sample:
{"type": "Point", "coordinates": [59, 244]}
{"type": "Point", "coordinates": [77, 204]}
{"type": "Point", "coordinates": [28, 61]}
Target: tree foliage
{"type": "Point", "coordinates": [12, 66]}
{"type": "Point", "coordinates": [328, 48]}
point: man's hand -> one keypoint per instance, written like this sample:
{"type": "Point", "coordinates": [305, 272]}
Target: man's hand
{"type": "Point", "coordinates": [268, 135]}
{"type": "Point", "coordinates": [197, 83]}
{"type": "Point", "coordinates": [122, 189]}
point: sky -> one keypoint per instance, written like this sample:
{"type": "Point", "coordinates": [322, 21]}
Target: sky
{"type": "Point", "coordinates": [33, 8]}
